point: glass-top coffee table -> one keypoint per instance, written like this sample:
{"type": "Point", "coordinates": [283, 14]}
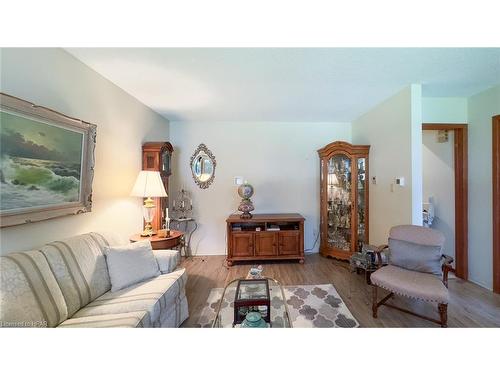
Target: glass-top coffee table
{"type": "Point", "coordinates": [226, 316]}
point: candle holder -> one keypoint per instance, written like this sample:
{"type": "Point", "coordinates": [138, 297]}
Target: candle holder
{"type": "Point", "coordinates": [167, 225]}
{"type": "Point", "coordinates": [183, 204]}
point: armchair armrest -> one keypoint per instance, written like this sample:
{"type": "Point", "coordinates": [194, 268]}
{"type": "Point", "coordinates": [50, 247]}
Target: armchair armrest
{"type": "Point", "coordinates": [378, 250]}
{"type": "Point", "coordinates": [446, 267]}
{"type": "Point", "coordinates": [381, 248]}
{"type": "Point", "coordinates": [168, 260]}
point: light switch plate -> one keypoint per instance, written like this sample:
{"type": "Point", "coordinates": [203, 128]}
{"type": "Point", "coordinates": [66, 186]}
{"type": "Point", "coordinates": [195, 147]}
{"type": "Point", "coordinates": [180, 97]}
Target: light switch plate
{"type": "Point", "coordinates": [238, 180]}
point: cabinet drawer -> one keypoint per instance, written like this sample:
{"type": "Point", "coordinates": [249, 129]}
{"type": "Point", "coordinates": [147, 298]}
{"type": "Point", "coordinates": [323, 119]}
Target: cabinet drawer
{"type": "Point", "coordinates": [289, 243]}
{"type": "Point", "coordinates": [242, 244]}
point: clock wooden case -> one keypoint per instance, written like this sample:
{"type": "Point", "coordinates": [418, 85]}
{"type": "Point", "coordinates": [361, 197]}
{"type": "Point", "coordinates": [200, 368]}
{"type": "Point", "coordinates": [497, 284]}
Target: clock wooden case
{"type": "Point", "coordinates": [157, 156]}
{"type": "Point", "coordinates": [343, 199]}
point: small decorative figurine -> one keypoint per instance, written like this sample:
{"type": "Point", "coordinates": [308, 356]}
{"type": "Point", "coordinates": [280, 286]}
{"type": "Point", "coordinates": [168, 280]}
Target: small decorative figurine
{"type": "Point", "coordinates": [255, 272]}
{"type": "Point", "coordinates": [245, 191]}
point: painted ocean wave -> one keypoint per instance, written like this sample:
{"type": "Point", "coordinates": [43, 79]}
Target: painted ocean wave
{"type": "Point", "coordinates": [32, 182]}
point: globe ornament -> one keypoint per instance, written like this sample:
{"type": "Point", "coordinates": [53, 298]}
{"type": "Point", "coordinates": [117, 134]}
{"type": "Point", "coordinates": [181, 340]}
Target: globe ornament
{"type": "Point", "coordinates": [245, 191]}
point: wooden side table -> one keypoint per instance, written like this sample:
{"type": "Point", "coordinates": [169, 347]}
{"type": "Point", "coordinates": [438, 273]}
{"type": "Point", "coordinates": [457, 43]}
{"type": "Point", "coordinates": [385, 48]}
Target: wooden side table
{"type": "Point", "coordinates": [158, 243]}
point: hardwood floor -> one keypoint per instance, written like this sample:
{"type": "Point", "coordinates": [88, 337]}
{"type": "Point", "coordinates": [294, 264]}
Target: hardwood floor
{"type": "Point", "coordinates": [470, 306]}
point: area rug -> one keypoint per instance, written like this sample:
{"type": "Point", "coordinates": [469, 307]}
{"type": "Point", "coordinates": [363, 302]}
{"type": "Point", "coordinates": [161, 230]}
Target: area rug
{"type": "Point", "coordinates": [310, 306]}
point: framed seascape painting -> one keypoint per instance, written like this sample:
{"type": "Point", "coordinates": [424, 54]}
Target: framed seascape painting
{"type": "Point", "coordinates": [46, 163]}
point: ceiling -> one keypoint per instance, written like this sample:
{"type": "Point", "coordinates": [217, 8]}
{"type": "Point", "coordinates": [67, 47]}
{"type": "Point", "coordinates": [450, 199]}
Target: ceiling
{"type": "Point", "coordinates": [287, 84]}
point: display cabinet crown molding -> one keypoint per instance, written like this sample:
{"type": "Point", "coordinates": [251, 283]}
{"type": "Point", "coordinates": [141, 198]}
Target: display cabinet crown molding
{"type": "Point", "coordinates": [339, 146]}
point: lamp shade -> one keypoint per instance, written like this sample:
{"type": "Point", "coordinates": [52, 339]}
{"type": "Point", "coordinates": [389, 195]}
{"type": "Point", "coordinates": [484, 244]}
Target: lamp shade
{"type": "Point", "coordinates": [148, 184]}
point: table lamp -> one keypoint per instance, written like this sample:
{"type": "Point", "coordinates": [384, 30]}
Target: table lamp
{"type": "Point", "coordinates": [148, 184]}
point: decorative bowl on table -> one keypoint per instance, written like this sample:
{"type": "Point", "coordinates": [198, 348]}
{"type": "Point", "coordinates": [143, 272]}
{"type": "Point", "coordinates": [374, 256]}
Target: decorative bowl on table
{"type": "Point", "coordinates": [253, 320]}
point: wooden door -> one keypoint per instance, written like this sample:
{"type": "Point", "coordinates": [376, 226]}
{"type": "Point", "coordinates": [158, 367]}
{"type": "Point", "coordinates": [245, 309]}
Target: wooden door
{"type": "Point", "coordinates": [496, 204]}
{"type": "Point", "coordinates": [461, 195]}
{"type": "Point", "coordinates": [242, 244]}
{"type": "Point", "coordinates": [289, 243]}
{"type": "Point", "coordinates": [266, 243]}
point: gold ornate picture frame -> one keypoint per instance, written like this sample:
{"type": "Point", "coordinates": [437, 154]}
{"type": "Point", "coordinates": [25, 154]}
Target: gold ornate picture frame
{"type": "Point", "coordinates": [46, 163]}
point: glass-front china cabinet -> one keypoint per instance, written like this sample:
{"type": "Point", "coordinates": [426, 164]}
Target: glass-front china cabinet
{"type": "Point", "coordinates": [343, 199]}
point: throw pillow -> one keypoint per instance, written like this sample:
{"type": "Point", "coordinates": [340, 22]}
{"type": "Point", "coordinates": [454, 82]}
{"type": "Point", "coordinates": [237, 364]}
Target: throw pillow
{"type": "Point", "coordinates": [415, 257]}
{"type": "Point", "coordinates": [130, 264]}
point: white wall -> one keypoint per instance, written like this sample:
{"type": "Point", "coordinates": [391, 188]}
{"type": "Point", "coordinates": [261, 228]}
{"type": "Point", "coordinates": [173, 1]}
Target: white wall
{"type": "Point", "coordinates": [481, 107]}
{"type": "Point", "coordinates": [389, 128]}
{"type": "Point", "coordinates": [55, 79]}
{"type": "Point", "coordinates": [444, 110]}
{"type": "Point", "coordinates": [279, 159]}
{"type": "Point", "coordinates": [439, 184]}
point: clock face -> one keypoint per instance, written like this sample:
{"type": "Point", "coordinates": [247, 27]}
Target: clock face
{"type": "Point", "coordinates": [165, 163]}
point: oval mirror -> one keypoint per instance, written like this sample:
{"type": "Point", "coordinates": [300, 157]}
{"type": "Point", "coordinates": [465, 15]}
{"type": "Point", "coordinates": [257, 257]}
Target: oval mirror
{"type": "Point", "coordinates": [203, 166]}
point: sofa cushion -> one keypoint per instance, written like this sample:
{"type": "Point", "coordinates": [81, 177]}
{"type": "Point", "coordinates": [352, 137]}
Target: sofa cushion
{"type": "Point", "coordinates": [411, 284]}
{"type": "Point", "coordinates": [130, 264]}
{"type": "Point", "coordinates": [30, 295]}
{"type": "Point", "coordinates": [415, 257]}
{"type": "Point", "coordinates": [79, 266]}
{"type": "Point", "coordinates": [123, 320]}
{"type": "Point", "coordinates": [154, 296]}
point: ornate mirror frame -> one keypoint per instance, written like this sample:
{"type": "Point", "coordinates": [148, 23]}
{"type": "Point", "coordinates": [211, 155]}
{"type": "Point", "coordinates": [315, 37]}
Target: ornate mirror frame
{"type": "Point", "coordinates": [203, 148]}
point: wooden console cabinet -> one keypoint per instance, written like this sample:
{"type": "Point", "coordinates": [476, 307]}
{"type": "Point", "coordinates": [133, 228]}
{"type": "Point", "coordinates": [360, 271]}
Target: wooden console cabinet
{"type": "Point", "coordinates": [255, 239]}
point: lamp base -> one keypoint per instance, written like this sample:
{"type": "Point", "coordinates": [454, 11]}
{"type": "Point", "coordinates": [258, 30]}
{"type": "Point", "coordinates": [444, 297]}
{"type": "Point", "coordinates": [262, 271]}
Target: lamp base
{"type": "Point", "coordinates": [148, 231]}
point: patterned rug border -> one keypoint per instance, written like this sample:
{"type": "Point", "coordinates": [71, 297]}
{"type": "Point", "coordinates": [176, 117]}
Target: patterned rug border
{"type": "Point", "coordinates": [310, 306]}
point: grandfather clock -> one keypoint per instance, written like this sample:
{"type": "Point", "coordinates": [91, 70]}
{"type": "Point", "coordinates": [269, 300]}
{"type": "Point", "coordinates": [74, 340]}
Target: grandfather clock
{"type": "Point", "coordinates": [157, 156]}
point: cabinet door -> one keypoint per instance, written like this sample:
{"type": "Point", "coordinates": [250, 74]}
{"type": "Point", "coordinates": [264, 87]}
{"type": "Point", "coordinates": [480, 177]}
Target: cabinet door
{"type": "Point", "coordinates": [266, 243]}
{"type": "Point", "coordinates": [289, 243]}
{"type": "Point", "coordinates": [151, 161]}
{"type": "Point", "coordinates": [361, 204]}
{"type": "Point", "coordinates": [242, 245]}
{"type": "Point", "coordinates": [339, 202]}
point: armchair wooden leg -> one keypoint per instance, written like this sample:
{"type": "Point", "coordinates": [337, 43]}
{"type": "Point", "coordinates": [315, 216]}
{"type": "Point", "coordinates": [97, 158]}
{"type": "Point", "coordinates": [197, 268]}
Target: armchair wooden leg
{"type": "Point", "coordinates": [443, 314]}
{"type": "Point", "coordinates": [374, 300]}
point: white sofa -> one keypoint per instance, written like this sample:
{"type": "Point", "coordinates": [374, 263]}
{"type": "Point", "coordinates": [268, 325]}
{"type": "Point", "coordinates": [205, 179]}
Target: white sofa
{"type": "Point", "coordinates": [66, 284]}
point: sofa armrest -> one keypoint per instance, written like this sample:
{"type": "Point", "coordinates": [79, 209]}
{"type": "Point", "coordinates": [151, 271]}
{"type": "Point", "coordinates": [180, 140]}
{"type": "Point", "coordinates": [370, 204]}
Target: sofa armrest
{"type": "Point", "coordinates": [168, 260]}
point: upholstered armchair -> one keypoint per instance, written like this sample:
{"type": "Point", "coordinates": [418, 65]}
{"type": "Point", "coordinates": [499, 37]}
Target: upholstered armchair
{"type": "Point", "coordinates": [417, 269]}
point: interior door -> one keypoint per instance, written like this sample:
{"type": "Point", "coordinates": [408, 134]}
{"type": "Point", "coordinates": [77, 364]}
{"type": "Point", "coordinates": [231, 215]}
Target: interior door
{"type": "Point", "coordinates": [496, 203]}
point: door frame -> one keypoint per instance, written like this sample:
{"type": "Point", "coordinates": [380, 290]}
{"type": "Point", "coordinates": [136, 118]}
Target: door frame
{"type": "Point", "coordinates": [461, 194]}
{"type": "Point", "coordinates": [496, 201]}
